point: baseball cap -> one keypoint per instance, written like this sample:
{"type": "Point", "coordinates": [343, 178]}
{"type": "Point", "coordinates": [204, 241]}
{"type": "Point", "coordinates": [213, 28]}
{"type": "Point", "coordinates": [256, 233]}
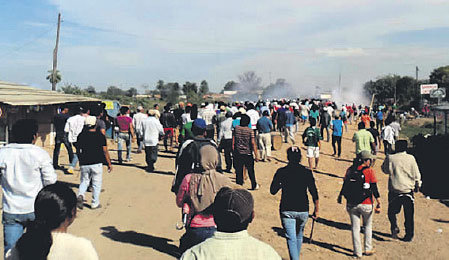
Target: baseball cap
{"type": "Point", "coordinates": [90, 121]}
{"type": "Point", "coordinates": [238, 203]}
{"type": "Point", "coordinates": [139, 108]}
{"type": "Point", "coordinates": [199, 123]}
{"type": "Point", "coordinates": [367, 155]}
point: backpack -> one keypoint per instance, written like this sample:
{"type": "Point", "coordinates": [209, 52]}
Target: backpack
{"type": "Point", "coordinates": [311, 136]}
{"type": "Point", "coordinates": [354, 188]}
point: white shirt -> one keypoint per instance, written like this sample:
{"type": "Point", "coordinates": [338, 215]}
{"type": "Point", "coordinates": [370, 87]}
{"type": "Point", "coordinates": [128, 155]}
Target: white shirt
{"type": "Point", "coordinates": [254, 116]}
{"type": "Point", "coordinates": [208, 115]}
{"type": "Point", "coordinates": [151, 128]}
{"type": "Point", "coordinates": [74, 126]}
{"type": "Point", "coordinates": [186, 118]}
{"type": "Point", "coordinates": [137, 120]}
{"type": "Point", "coordinates": [388, 134]}
{"type": "Point", "coordinates": [397, 127]}
{"type": "Point", "coordinates": [25, 169]}
{"type": "Point", "coordinates": [304, 110]}
{"type": "Point", "coordinates": [64, 246]}
{"type": "Point", "coordinates": [225, 129]}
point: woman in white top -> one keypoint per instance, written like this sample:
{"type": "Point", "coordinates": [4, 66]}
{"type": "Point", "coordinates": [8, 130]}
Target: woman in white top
{"type": "Point", "coordinates": [46, 237]}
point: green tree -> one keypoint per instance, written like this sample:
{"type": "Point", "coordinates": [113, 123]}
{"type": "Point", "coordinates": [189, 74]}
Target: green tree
{"type": "Point", "coordinates": [204, 88]}
{"type": "Point", "coordinates": [230, 86]}
{"type": "Point", "coordinates": [114, 92]}
{"type": "Point", "coordinates": [132, 92]}
{"type": "Point", "coordinates": [440, 76]}
{"type": "Point", "coordinates": [54, 78]}
{"type": "Point", "coordinates": [189, 88]}
{"type": "Point", "coordinates": [173, 90]}
{"type": "Point", "coordinates": [249, 85]}
{"type": "Point", "coordinates": [91, 90]}
{"type": "Point", "coordinates": [71, 89]}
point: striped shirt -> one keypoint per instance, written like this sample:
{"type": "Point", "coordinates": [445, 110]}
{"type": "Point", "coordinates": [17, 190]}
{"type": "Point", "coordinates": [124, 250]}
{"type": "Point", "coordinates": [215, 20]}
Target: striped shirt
{"type": "Point", "coordinates": [242, 142]}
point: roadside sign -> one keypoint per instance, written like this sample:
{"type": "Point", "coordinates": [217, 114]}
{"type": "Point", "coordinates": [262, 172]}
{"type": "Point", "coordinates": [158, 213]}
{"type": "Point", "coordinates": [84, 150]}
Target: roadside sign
{"type": "Point", "coordinates": [426, 88]}
{"type": "Point", "coordinates": [438, 93]}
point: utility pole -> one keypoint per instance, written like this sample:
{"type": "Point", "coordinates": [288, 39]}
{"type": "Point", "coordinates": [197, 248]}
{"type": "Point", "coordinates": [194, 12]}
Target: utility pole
{"type": "Point", "coordinates": [55, 55]}
{"type": "Point", "coordinates": [339, 85]}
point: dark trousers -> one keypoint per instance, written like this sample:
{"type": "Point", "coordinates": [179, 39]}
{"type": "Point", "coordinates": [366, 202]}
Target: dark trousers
{"type": "Point", "coordinates": [150, 156]}
{"type": "Point", "coordinates": [61, 139]}
{"type": "Point", "coordinates": [327, 132]}
{"type": "Point", "coordinates": [336, 139]}
{"type": "Point", "coordinates": [395, 202]}
{"type": "Point", "coordinates": [168, 134]}
{"type": "Point", "coordinates": [379, 124]}
{"type": "Point", "coordinates": [226, 145]}
{"type": "Point", "coordinates": [194, 236]}
{"type": "Point", "coordinates": [246, 160]}
{"type": "Point", "coordinates": [388, 147]}
{"type": "Point", "coordinates": [210, 131]}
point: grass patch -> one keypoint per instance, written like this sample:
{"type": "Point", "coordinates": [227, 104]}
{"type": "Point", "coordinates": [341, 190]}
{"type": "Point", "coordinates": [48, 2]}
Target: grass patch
{"type": "Point", "coordinates": [409, 130]}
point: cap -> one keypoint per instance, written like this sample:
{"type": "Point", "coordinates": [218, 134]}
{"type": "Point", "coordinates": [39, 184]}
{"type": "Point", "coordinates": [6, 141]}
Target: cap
{"type": "Point", "coordinates": [199, 123]}
{"type": "Point", "coordinates": [238, 203]}
{"type": "Point", "coordinates": [242, 110]}
{"type": "Point", "coordinates": [367, 155]}
{"type": "Point", "coordinates": [90, 121]}
{"type": "Point", "coordinates": [140, 108]}
{"type": "Point", "coordinates": [228, 114]}
{"type": "Point", "coordinates": [152, 112]}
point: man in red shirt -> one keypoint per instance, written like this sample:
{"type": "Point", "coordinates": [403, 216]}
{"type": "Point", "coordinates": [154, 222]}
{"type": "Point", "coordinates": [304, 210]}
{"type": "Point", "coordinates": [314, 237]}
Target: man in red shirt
{"type": "Point", "coordinates": [126, 133]}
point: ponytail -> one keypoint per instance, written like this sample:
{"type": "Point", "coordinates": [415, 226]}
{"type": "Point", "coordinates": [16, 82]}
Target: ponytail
{"type": "Point", "coordinates": [53, 206]}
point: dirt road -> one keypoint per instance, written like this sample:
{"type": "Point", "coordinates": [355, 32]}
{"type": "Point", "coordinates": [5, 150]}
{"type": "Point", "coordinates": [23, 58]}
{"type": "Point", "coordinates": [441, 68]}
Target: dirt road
{"type": "Point", "coordinates": [138, 217]}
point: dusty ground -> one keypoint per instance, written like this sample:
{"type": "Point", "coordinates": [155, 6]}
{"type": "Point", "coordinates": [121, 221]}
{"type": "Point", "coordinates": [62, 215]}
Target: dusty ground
{"type": "Point", "coordinates": [138, 217]}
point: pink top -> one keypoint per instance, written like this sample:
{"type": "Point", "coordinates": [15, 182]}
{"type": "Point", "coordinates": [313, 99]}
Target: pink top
{"type": "Point", "coordinates": [199, 220]}
{"type": "Point", "coordinates": [124, 122]}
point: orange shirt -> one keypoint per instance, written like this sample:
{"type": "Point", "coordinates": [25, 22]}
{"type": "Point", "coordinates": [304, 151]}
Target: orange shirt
{"type": "Point", "coordinates": [366, 119]}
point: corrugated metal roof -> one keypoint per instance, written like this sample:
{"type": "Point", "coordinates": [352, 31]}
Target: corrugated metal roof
{"type": "Point", "coordinates": [21, 95]}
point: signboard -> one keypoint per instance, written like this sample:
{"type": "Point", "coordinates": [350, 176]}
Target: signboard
{"type": "Point", "coordinates": [426, 88]}
{"type": "Point", "coordinates": [230, 92]}
{"type": "Point", "coordinates": [438, 93]}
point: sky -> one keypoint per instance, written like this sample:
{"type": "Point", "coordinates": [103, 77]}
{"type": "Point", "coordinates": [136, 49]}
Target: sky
{"type": "Point", "coordinates": [128, 43]}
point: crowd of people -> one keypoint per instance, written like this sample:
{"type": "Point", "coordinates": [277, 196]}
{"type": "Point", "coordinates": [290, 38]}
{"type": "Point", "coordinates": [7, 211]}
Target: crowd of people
{"type": "Point", "coordinates": [218, 211]}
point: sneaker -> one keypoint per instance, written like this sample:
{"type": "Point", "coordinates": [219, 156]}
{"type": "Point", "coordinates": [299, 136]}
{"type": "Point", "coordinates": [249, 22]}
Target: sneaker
{"type": "Point", "coordinates": [98, 206]}
{"type": "Point", "coordinates": [256, 188]}
{"type": "Point", "coordinates": [70, 170]}
{"type": "Point", "coordinates": [80, 202]}
{"type": "Point", "coordinates": [407, 238]}
{"type": "Point", "coordinates": [370, 252]}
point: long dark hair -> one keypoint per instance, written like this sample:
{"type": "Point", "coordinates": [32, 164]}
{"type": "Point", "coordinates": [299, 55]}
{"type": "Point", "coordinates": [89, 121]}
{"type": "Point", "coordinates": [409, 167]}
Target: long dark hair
{"type": "Point", "coordinates": [53, 205]}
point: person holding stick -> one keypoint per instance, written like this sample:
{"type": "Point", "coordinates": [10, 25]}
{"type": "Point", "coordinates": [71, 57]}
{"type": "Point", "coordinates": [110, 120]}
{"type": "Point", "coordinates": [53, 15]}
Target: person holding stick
{"type": "Point", "coordinates": [294, 180]}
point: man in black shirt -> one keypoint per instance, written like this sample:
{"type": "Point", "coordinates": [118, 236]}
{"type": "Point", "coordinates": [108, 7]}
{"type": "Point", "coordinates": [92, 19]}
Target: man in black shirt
{"type": "Point", "coordinates": [61, 137]}
{"type": "Point", "coordinates": [93, 152]}
{"type": "Point", "coordinates": [376, 135]}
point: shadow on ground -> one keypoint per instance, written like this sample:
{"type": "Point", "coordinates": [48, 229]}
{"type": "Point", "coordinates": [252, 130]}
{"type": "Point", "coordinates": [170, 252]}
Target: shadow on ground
{"type": "Point", "coordinates": [141, 167]}
{"type": "Point", "coordinates": [328, 174]}
{"type": "Point", "coordinates": [139, 239]}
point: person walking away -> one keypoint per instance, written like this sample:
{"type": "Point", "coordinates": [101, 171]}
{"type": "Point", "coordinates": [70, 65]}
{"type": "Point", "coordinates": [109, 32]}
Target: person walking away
{"type": "Point", "coordinates": [396, 126]}
{"type": "Point", "coordinates": [151, 131]}
{"type": "Point", "coordinates": [178, 116]}
{"type": "Point", "coordinates": [126, 134]}
{"type": "Point", "coordinates": [61, 137]}
{"type": "Point", "coordinates": [225, 140]}
{"type": "Point", "coordinates": [364, 140]}
{"type": "Point", "coordinates": [265, 126]}
{"type": "Point", "coordinates": [376, 136]}
{"type": "Point", "coordinates": [208, 116]}
{"type": "Point", "coordinates": [344, 118]}
{"type": "Point", "coordinates": [168, 122]}
{"type": "Point", "coordinates": [253, 115]}
{"type": "Point", "coordinates": [359, 186]}
{"type": "Point", "coordinates": [24, 169]}
{"type": "Point", "coordinates": [188, 156]}
{"type": "Point", "coordinates": [73, 128]}
{"type": "Point", "coordinates": [93, 153]}
{"type": "Point", "coordinates": [379, 120]}
{"type": "Point", "coordinates": [325, 120]}
{"type": "Point", "coordinates": [281, 118]}
{"type": "Point", "coordinates": [100, 124]}
{"type": "Point", "coordinates": [243, 147]}
{"type": "Point", "coordinates": [294, 180]}
{"type": "Point", "coordinates": [47, 237]}
{"type": "Point", "coordinates": [186, 131]}
{"type": "Point", "coordinates": [314, 113]}
{"type": "Point", "coordinates": [311, 139]}
{"type": "Point", "coordinates": [366, 118]}
{"type": "Point", "coordinates": [304, 113]}
{"type": "Point", "coordinates": [388, 137]}
{"type": "Point", "coordinates": [404, 179]}
{"type": "Point", "coordinates": [233, 211]}
{"type": "Point", "coordinates": [137, 122]}
{"type": "Point", "coordinates": [198, 190]}
{"type": "Point", "coordinates": [219, 118]}
{"type": "Point", "coordinates": [290, 122]}
{"type": "Point", "coordinates": [337, 133]}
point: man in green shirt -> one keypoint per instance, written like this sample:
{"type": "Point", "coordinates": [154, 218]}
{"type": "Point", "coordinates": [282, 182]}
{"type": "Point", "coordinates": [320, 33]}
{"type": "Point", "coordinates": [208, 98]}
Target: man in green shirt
{"type": "Point", "coordinates": [311, 138]}
{"type": "Point", "coordinates": [364, 140]}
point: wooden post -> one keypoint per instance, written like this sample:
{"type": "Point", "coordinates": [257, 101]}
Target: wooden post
{"type": "Point", "coordinates": [434, 122]}
{"type": "Point", "coordinates": [55, 55]}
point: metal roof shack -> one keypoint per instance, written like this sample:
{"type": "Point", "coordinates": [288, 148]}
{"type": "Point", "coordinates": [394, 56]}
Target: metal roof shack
{"type": "Point", "coordinates": [23, 102]}
{"type": "Point", "coordinates": [443, 109]}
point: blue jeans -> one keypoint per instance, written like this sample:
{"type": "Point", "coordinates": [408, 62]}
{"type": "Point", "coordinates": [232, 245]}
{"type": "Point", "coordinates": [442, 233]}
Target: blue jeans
{"type": "Point", "coordinates": [13, 226]}
{"type": "Point", "coordinates": [124, 137]}
{"type": "Point", "coordinates": [94, 172]}
{"type": "Point", "coordinates": [194, 236]}
{"type": "Point", "coordinates": [75, 157]}
{"type": "Point", "coordinates": [294, 223]}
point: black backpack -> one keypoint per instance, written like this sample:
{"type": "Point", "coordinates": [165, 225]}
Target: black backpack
{"type": "Point", "coordinates": [353, 187]}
